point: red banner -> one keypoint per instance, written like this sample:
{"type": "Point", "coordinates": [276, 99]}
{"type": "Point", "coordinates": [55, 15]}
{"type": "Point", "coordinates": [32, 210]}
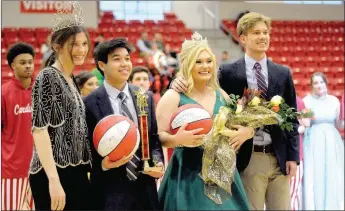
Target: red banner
{"type": "Point", "coordinates": [44, 6]}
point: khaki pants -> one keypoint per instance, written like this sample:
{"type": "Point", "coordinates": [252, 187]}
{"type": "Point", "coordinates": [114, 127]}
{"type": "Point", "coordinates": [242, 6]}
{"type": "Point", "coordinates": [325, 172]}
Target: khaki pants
{"type": "Point", "coordinates": [265, 183]}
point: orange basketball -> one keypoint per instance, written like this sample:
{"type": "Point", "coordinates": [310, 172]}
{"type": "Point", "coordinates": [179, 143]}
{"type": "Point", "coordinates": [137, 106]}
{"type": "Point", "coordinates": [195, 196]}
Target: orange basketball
{"type": "Point", "coordinates": [196, 117]}
{"type": "Point", "coordinates": [116, 136]}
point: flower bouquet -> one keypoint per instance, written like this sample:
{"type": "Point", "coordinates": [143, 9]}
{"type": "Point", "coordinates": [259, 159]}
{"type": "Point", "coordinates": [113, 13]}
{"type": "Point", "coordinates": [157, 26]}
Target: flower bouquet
{"type": "Point", "coordinates": [219, 157]}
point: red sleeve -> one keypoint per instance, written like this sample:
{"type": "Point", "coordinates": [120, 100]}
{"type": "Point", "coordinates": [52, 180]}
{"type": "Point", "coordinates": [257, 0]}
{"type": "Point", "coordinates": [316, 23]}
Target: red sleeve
{"type": "Point", "coordinates": [3, 111]}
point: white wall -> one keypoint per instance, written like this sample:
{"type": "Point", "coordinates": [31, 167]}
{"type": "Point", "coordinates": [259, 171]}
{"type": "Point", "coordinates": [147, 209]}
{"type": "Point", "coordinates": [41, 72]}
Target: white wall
{"type": "Point", "coordinates": [192, 15]}
{"type": "Point", "coordinates": [11, 16]}
{"type": "Point", "coordinates": [280, 11]}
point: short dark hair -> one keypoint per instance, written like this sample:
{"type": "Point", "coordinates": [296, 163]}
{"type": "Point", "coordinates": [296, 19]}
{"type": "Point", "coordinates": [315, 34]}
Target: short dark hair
{"type": "Point", "coordinates": [138, 69]}
{"type": "Point", "coordinates": [82, 77]}
{"type": "Point", "coordinates": [225, 52]}
{"type": "Point", "coordinates": [105, 48]}
{"type": "Point", "coordinates": [17, 49]}
{"type": "Point", "coordinates": [324, 78]}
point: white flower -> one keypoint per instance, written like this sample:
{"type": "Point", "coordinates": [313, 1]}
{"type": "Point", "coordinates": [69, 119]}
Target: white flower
{"type": "Point", "coordinates": [276, 100]}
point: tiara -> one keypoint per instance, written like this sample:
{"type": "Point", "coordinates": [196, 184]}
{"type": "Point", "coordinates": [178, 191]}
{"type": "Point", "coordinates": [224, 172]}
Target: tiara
{"type": "Point", "coordinates": [70, 15]}
{"type": "Point", "coordinates": [196, 40]}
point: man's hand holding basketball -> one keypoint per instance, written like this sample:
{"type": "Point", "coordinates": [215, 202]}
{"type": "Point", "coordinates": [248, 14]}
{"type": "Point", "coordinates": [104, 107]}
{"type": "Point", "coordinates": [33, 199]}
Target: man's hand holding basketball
{"type": "Point", "coordinates": [108, 164]}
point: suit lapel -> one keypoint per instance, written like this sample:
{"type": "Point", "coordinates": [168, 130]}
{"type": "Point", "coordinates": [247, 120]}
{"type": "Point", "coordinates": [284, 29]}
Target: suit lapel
{"type": "Point", "coordinates": [241, 76]}
{"type": "Point", "coordinates": [132, 90]}
{"type": "Point", "coordinates": [272, 79]}
{"type": "Point", "coordinates": [103, 102]}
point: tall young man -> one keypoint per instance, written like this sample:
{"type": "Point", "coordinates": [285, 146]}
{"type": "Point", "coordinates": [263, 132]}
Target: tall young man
{"type": "Point", "coordinates": [16, 138]}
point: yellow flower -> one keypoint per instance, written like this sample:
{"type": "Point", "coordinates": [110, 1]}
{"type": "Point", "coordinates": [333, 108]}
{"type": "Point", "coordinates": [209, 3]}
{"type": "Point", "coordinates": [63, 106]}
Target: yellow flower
{"type": "Point", "coordinates": [255, 101]}
{"type": "Point", "coordinates": [239, 109]}
{"type": "Point", "coordinates": [276, 100]}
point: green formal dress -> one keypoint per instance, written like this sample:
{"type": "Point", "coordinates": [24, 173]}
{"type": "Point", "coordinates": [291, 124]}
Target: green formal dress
{"type": "Point", "coordinates": [183, 189]}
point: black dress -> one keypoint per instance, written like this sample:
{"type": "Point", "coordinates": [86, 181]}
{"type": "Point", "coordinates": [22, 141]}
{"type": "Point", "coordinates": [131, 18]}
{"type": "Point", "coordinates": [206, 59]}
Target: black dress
{"type": "Point", "coordinates": [59, 108]}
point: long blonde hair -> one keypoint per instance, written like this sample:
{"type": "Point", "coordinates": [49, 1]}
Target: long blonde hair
{"type": "Point", "coordinates": [188, 56]}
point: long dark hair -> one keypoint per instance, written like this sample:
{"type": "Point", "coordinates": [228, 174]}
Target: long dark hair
{"type": "Point", "coordinates": [61, 36]}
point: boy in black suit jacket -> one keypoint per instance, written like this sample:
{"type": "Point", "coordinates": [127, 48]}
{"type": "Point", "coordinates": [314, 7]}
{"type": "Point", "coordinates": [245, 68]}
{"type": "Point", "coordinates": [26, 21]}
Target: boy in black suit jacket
{"type": "Point", "coordinates": [116, 185]}
{"type": "Point", "coordinates": [270, 158]}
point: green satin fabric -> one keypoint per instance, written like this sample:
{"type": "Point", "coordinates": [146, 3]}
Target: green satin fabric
{"type": "Point", "coordinates": [183, 189]}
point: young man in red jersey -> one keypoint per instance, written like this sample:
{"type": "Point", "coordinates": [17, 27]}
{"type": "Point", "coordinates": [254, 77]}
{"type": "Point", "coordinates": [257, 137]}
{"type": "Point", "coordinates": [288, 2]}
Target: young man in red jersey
{"type": "Point", "coordinates": [16, 138]}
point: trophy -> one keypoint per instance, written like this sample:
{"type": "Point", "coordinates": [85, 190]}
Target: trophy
{"type": "Point", "coordinates": [145, 146]}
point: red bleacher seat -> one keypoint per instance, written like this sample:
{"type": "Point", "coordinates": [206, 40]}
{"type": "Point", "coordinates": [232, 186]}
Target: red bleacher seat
{"type": "Point", "coordinates": [107, 14]}
{"type": "Point", "coordinates": [149, 23]}
{"type": "Point", "coordinates": [134, 23]}
{"type": "Point", "coordinates": [138, 62]}
{"type": "Point", "coordinates": [106, 20]}
{"type": "Point", "coordinates": [120, 23]}
{"type": "Point", "coordinates": [157, 29]}
{"type": "Point", "coordinates": [9, 32]}
{"type": "Point", "coordinates": [163, 23]}
{"type": "Point", "coordinates": [301, 83]}
{"type": "Point", "coordinates": [278, 24]}
{"type": "Point", "coordinates": [337, 92]}
{"type": "Point", "coordinates": [177, 23]}
{"type": "Point", "coordinates": [11, 40]}
{"type": "Point", "coordinates": [298, 72]}
{"type": "Point", "coordinates": [32, 41]}
{"type": "Point", "coordinates": [336, 83]}
{"type": "Point", "coordinates": [3, 43]}
{"type": "Point", "coordinates": [188, 33]}
{"type": "Point", "coordinates": [169, 15]}
{"type": "Point", "coordinates": [339, 69]}
{"type": "Point", "coordinates": [326, 70]}
{"type": "Point", "coordinates": [105, 25]}
{"type": "Point", "coordinates": [119, 34]}
{"type": "Point", "coordinates": [26, 32]}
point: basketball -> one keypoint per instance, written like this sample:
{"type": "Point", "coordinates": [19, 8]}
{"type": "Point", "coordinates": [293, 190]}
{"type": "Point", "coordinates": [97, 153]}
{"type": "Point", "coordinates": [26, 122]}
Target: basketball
{"type": "Point", "coordinates": [196, 117]}
{"type": "Point", "coordinates": [116, 136]}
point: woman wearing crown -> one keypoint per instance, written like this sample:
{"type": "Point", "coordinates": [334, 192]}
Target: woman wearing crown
{"type": "Point", "coordinates": [61, 158]}
{"type": "Point", "coordinates": [182, 187]}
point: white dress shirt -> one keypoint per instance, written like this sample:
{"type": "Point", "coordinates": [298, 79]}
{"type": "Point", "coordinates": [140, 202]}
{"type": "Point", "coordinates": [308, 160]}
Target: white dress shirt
{"type": "Point", "coordinates": [113, 94]}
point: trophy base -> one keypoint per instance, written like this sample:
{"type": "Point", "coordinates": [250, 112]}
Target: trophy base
{"type": "Point", "coordinates": [153, 169]}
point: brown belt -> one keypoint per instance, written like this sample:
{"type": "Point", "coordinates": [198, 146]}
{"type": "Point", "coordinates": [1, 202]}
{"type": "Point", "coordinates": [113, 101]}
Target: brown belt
{"type": "Point", "coordinates": [264, 148]}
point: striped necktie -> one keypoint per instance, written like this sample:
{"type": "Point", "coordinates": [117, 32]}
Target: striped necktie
{"type": "Point", "coordinates": [135, 164]}
{"type": "Point", "coordinates": [260, 79]}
